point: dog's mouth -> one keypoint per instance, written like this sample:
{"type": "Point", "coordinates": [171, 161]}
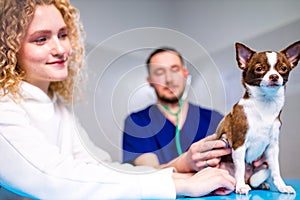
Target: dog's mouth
{"type": "Point", "coordinates": [272, 85]}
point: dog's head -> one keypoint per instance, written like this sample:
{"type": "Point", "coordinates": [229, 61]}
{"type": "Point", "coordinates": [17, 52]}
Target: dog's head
{"type": "Point", "coordinates": [267, 69]}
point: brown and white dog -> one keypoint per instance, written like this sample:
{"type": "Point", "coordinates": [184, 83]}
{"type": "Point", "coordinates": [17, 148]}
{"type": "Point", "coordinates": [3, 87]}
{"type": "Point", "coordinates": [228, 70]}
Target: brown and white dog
{"type": "Point", "coordinates": [252, 127]}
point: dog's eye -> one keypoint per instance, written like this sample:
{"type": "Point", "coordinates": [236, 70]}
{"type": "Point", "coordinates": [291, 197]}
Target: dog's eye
{"type": "Point", "coordinates": [259, 69]}
{"type": "Point", "coordinates": [283, 68]}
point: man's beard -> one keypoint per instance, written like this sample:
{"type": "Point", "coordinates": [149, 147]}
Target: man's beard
{"type": "Point", "coordinates": [172, 100]}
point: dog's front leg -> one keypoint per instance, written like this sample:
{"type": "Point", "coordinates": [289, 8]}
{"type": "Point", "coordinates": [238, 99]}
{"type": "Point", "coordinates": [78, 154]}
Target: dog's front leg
{"type": "Point", "coordinates": [238, 157]}
{"type": "Point", "coordinates": [272, 154]}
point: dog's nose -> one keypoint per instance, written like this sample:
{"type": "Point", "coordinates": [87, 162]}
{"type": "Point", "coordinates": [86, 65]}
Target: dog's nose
{"type": "Point", "coordinates": [274, 77]}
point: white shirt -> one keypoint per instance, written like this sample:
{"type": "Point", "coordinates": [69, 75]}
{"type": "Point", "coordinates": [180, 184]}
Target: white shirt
{"type": "Point", "coordinates": [41, 156]}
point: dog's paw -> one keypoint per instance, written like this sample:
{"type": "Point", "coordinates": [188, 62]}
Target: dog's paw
{"type": "Point", "coordinates": [242, 189]}
{"type": "Point", "coordinates": [286, 189]}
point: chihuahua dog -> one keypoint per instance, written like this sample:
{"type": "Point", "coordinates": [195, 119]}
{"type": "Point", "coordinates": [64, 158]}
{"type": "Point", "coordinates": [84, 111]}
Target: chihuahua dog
{"type": "Point", "coordinates": [252, 127]}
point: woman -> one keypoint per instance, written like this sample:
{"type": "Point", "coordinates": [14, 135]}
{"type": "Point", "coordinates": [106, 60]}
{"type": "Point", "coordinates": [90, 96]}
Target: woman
{"type": "Point", "coordinates": [41, 153]}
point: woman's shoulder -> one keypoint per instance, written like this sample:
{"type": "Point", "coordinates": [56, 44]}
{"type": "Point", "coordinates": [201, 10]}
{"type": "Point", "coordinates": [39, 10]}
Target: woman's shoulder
{"type": "Point", "coordinates": [11, 111]}
{"type": "Point", "coordinates": [9, 101]}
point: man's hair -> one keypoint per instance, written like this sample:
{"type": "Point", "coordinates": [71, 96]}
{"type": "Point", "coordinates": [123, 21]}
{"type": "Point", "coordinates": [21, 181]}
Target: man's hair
{"type": "Point", "coordinates": [160, 50]}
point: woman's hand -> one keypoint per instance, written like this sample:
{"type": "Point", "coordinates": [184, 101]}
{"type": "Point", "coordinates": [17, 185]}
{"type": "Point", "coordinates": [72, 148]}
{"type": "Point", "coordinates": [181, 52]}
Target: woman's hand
{"type": "Point", "coordinates": [208, 180]}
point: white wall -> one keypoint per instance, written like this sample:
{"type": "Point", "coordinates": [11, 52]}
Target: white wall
{"type": "Point", "coordinates": [121, 33]}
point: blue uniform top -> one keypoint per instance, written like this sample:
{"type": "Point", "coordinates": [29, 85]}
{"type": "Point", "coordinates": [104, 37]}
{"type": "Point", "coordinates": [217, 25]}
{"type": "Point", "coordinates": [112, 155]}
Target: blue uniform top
{"type": "Point", "coordinates": [149, 130]}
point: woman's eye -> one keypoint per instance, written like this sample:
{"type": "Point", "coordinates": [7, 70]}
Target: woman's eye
{"type": "Point", "coordinates": [63, 35]}
{"type": "Point", "coordinates": [40, 40]}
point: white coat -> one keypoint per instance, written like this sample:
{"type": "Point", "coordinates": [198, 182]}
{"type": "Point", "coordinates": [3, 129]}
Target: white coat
{"type": "Point", "coordinates": [42, 156]}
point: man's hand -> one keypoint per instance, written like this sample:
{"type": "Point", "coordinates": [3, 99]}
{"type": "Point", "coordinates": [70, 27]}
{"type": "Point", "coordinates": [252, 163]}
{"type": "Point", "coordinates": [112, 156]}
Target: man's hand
{"type": "Point", "coordinates": [201, 154]}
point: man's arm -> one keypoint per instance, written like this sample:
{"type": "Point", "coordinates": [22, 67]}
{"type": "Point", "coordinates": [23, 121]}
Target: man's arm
{"type": "Point", "coordinates": [204, 153]}
{"type": "Point", "coordinates": [147, 159]}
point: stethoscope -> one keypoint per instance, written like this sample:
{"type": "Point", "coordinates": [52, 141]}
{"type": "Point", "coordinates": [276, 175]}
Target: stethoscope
{"type": "Point", "coordinates": [176, 114]}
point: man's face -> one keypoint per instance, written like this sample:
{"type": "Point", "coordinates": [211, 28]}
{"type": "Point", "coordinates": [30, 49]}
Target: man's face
{"type": "Point", "coordinates": [167, 76]}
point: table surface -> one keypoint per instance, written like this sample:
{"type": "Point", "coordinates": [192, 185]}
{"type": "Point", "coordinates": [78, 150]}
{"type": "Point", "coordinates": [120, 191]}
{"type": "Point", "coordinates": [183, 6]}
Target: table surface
{"type": "Point", "coordinates": [259, 194]}
{"type": "Point", "coordinates": [253, 194]}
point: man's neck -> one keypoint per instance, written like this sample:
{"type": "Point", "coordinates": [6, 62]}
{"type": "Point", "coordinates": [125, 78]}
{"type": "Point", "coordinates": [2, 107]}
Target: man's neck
{"type": "Point", "coordinates": [174, 107]}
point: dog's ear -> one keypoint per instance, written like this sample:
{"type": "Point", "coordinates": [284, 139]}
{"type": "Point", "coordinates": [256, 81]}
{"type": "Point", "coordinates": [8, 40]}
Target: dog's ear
{"type": "Point", "coordinates": [292, 53]}
{"type": "Point", "coordinates": [243, 55]}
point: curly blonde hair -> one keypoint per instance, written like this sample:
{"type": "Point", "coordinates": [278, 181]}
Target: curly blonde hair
{"type": "Point", "coordinates": [15, 18]}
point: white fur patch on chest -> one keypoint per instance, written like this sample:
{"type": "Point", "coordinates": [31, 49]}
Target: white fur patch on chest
{"type": "Point", "coordinates": [263, 125]}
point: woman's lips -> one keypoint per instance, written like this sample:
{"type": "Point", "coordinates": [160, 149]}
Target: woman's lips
{"type": "Point", "coordinates": [57, 62]}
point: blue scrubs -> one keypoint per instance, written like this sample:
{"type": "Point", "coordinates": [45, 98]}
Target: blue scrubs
{"type": "Point", "coordinates": [150, 131]}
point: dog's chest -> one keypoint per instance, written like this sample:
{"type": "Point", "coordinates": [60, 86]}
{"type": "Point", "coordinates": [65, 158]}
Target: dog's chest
{"type": "Point", "coordinates": [263, 126]}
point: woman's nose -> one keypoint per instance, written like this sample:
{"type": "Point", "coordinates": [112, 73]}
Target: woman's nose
{"type": "Point", "coordinates": [57, 47]}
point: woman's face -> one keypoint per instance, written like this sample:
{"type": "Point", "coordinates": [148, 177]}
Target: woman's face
{"type": "Point", "coordinates": [45, 48]}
